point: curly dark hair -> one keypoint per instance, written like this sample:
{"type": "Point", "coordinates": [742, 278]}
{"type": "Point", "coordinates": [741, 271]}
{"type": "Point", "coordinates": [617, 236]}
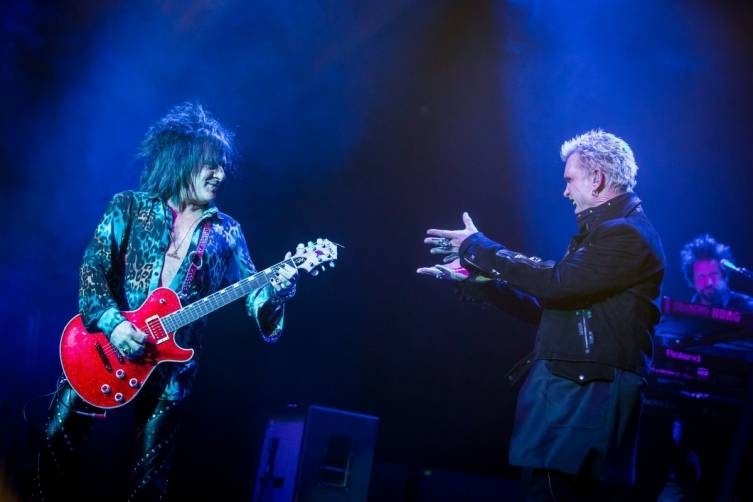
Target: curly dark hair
{"type": "Point", "coordinates": [703, 247]}
{"type": "Point", "coordinates": [176, 147]}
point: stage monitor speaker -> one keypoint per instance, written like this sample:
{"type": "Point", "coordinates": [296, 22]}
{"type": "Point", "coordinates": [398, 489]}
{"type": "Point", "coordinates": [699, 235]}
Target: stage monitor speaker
{"type": "Point", "coordinates": [321, 455]}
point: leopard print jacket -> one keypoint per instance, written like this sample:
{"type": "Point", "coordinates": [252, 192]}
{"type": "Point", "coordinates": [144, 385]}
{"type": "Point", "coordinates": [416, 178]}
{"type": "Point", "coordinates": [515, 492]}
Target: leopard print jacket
{"type": "Point", "coordinates": [123, 262]}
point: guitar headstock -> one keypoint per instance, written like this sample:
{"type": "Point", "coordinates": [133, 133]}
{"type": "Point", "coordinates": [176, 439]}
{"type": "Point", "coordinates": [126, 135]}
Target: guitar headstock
{"type": "Point", "coordinates": [314, 256]}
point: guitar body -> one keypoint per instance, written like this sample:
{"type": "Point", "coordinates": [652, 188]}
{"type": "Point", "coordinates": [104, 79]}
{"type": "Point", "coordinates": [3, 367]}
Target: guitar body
{"type": "Point", "coordinates": [103, 377]}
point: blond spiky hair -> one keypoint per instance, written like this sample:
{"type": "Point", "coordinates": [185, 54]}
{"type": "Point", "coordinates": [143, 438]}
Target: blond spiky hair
{"type": "Point", "coordinates": [605, 151]}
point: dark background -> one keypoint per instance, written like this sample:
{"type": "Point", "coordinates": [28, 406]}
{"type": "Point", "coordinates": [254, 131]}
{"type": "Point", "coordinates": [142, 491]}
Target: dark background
{"type": "Point", "coordinates": [365, 123]}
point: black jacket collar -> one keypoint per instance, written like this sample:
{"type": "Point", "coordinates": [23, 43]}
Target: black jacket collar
{"type": "Point", "coordinates": [618, 207]}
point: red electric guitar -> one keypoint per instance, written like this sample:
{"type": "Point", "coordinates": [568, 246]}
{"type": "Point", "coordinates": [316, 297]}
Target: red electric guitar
{"type": "Point", "coordinates": [103, 377]}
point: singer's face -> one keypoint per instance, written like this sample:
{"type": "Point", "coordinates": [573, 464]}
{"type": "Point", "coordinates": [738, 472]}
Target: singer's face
{"type": "Point", "coordinates": [709, 280]}
{"type": "Point", "coordinates": [579, 185]}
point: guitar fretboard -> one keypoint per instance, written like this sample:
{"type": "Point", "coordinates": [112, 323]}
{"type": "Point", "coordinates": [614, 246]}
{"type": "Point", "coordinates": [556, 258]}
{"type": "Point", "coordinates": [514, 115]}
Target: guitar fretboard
{"type": "Point", "coordinates": [219, 299]}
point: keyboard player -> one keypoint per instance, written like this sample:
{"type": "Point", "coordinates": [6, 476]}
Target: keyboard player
{"type": "Point", "coordinates": [702, 260]}
{"type": "Point", "coordinates": [701, 265]}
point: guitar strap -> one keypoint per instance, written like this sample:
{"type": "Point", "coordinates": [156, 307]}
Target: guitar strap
{"type": "Point", "coordinates": [197, 260]}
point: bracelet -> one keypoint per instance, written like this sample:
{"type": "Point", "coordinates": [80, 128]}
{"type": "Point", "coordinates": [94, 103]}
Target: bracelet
{"type": "Point", "coordinates": [280, 299]}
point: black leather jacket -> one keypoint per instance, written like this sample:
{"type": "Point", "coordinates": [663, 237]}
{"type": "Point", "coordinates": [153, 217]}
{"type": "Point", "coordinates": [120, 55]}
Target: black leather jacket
{"type": "Point", "coordinates": [596, 307]}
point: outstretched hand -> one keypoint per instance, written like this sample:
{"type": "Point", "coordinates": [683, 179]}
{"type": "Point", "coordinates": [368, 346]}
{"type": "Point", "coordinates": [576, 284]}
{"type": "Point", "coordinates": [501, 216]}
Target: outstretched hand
{"type": "Point", "coordinates": [448, 242]}
{"type": "Point", "coordinates": [452, 271]}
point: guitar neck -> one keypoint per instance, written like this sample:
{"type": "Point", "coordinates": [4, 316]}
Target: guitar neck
{"type": "Point", "coordinates": [219, 299]}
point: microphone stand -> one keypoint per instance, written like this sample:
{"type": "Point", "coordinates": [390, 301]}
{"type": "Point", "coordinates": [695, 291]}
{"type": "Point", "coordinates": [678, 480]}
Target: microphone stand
{"type": "Point", "coordinates": [745, 273]}
{"type": "Point", "coordinates": [734, 268]}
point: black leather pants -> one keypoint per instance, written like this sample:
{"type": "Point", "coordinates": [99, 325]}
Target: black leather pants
{"type": "Point", "coordinates": [70, 420]}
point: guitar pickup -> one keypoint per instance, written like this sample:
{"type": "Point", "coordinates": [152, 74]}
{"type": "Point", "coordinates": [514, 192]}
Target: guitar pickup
{"type": "Point", "coordinates": [155, 328]}
{"type": "Point", "coordinates": [103, 356]}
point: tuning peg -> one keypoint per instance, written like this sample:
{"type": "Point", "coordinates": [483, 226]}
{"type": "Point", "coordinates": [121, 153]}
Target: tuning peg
{"type": "Point", "coordinates": [315, 272]}
{"type": "Point", "coordinates": [311, 244]}
{"type": "Point", "coordinates": [300, 246]}
{"type": "Point", "coordinates": [331, 264]}
{"type": "Point", "coordinates": [319, 241]}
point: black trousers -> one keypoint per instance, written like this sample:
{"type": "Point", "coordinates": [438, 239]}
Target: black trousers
{"type": "Point", "coordinates": [69, 422]}
{"type": "Point", "coordinates": [543, 485]}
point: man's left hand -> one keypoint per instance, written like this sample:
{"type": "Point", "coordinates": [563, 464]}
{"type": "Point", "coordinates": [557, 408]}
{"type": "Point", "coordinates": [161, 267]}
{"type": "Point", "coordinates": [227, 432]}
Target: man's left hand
{"type": "Point", "coordinates": [284, 281]}
{"type": "Point", "coordinates": [448, 242]}
{"type": "Point", "coordinates": [452, 271]}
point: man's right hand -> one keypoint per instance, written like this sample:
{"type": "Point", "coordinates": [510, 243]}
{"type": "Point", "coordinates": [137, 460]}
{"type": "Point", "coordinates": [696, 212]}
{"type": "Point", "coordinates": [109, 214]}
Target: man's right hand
{"type": "Point", "coordinates": [128, 339]}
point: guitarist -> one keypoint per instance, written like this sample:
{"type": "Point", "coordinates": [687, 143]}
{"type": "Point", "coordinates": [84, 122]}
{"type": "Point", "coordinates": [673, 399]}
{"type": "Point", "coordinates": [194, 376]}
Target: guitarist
{"type": "Point", "coordinates": [169, 234]}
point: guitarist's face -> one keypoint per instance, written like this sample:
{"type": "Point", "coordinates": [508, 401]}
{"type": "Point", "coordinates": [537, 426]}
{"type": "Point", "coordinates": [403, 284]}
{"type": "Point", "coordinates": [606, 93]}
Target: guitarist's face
{"type": "Point", "coordinates": [206, 183]}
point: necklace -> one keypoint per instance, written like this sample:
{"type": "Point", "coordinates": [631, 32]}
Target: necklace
{"type": "Point", "coordinates": [177, 247]}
